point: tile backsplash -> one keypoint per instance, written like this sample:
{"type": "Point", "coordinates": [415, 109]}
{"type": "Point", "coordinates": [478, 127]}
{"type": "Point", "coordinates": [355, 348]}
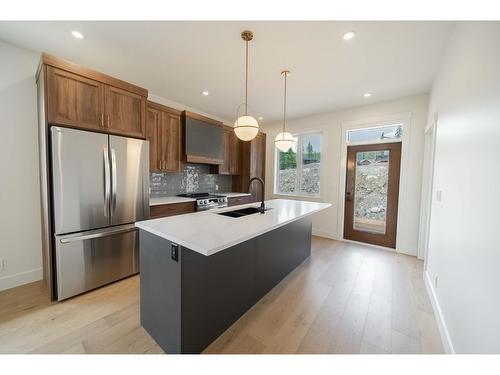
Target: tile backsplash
{"type": "Point", "coordinates": [194, 178]}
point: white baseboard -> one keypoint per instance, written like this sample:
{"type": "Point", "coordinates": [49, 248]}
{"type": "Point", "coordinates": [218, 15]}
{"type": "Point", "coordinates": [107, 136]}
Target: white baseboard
{"type": "Point", "coordinates": [326, 234]}
{"type": "Point", "coordinates": [438, 314]}
{"type": "Point", "coordinates": [11, 281]}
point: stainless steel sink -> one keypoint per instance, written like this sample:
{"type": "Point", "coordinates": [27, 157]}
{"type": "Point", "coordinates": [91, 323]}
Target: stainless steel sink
{"type": "Point", "coordinates": [242, 212]}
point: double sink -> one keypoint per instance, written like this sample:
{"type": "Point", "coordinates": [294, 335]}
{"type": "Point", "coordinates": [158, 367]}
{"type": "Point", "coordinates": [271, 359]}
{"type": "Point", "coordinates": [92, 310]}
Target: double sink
{"type": "Point", "coordinates": [242, 212]}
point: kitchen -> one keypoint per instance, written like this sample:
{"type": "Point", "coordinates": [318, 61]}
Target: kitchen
{"type": "Point", "coordinates": [237, 187]}
{"type": "Point", "coordinates": [190, 157]}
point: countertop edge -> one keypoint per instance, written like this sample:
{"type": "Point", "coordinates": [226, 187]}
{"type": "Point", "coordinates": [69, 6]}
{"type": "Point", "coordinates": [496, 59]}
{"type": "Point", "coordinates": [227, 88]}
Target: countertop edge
{"type": "Point", "coordinates": [229, 244]}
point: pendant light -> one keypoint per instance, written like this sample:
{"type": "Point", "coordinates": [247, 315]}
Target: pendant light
{"type": "Point", "coordinates": [284, 140]}
{"type": "Point", "coordinates": [246, 127]}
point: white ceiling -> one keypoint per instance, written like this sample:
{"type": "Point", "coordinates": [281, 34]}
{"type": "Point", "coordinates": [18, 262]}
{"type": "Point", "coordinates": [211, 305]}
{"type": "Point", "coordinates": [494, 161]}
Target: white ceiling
{"type": "Point", "coordinates": [178, 60]}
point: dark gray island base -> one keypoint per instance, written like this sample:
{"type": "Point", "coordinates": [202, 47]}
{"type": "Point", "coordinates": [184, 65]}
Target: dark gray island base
{"type": "Point", "coordinates": [189, 299]}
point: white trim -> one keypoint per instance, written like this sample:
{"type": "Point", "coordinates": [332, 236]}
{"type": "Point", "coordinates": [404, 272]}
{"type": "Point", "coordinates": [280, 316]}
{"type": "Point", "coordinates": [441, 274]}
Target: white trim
{"type": "Point", "coordinates": [326, 234]}
{"type": "Point", "coordinates": [403, 118]}
{"type": "Point", "coordinates": [17, 279]}
{"type": "Point", "coordinates": [427, 193]}
{"type": "Point", "coordinates": [441, 323]}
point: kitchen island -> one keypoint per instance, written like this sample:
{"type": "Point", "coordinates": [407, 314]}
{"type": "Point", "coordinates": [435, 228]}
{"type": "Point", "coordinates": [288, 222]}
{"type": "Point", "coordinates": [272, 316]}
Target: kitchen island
{"type": "Point", "coordinates": [200, 272]}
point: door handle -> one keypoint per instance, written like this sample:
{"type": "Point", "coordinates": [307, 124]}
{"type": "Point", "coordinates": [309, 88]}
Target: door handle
{"type": "Point", "coordinates": [107, 181]}
{"type": "Point", "coordinates": [96, 235]}
{"type": "Point", "coordinates": [114, 181]}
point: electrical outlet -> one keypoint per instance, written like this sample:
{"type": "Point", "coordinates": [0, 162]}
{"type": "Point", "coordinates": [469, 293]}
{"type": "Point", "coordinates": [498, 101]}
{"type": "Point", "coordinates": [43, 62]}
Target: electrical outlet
{"type": "Point", "coordinates": [436, 278]}
{"type": "Point", "coordinates": [2, 264]}
{"type": "Point", "coordinates": [216, 187]}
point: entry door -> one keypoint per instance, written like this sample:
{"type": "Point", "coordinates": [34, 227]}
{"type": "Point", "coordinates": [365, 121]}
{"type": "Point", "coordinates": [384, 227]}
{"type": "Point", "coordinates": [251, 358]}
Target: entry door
{"type": "Point", "coordinates": [372, 192]}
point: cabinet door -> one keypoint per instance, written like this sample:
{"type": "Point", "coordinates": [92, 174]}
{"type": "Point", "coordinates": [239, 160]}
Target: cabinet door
{"type": "Point", "coordinates": [152, 120]}
{"type": "Point", "coordinates": [235, 155]}
{"type": "Point", "coordinates": [257, 163]}
{"type": "Point", "coordinates": [225, 167]}
{"type": "Point", "coordinates": [125, 112]}
{"type": "Point", "coordinates": [74, 100]}
{"type": "Point", "coordinates": [170, 142]}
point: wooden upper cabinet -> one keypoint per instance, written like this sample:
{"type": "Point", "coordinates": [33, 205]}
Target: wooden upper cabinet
{"type": "Point", "coordinates": [235, 153]}
{"type": "Point", "coordinates": [83, 98]}
{"type": "Point", "coordinates": [74, 100]}
{"type": "Point", "coordinates": [163, 130]}
{"type": "Point", "coordinates": [125, 112]}
{"type": "Point", "coordinates": [152, 125]}
{"type": "Point", "coordinates": [257, 163]}
{"type": "Point", "coordinates": [170, 129]}
{"type": "Point", "coordinates": [225, 167]}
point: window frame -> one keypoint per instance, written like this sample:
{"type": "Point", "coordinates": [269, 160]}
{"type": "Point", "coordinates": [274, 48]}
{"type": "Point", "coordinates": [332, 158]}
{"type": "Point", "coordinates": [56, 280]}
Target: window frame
{"type": "Point", "coordinates": [298, 193]}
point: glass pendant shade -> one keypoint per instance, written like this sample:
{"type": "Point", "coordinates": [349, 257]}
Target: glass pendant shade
{"type": "Point", "coordinates": [284, 141]}
{"type": "Point", "coordinates": [246, 128]}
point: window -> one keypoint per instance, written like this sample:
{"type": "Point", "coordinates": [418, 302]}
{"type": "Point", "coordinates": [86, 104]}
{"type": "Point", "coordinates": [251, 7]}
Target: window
{"type": "Point", "coordinates": [298, 170]}
{"type": "Point", "coordinates": [394, 131]}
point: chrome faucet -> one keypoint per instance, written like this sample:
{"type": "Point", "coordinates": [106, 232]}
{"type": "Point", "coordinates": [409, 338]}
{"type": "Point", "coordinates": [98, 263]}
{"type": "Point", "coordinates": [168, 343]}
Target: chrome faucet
{"type": "Point", "coordinates": [262, 206]}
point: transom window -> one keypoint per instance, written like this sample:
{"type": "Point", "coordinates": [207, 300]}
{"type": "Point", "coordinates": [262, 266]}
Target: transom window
{"type": "Point", "coordinates": [379, 133]}
{"type": "Point", "coordinates": [298, 170]}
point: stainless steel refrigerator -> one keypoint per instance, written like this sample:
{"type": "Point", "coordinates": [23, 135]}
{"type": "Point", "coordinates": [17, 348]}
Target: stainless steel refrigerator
{"type": "Point", "coordinates": [100, 186]}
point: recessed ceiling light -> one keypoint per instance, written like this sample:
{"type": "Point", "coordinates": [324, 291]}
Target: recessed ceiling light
{"type": "Point", "coordinates": [367, 95]}
{"type": "Point", "coordinates": [77, 34]}
{"type": "Point", "coordinates": [205, 93]}
{"type": "Point", "coordinates": [261, 118]}
{"type": "Point", "coordinates": [349, 35]}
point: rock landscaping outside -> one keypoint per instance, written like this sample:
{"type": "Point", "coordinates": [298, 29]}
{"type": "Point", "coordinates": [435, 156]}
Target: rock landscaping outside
{"type": "Point", "coordinates": [370, 196]}
{"type": "Point", "coordinates": [310, 179]}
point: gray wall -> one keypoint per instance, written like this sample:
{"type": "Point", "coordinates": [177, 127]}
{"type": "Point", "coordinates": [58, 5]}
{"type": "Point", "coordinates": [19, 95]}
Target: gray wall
{"type": "Point", "coordinates": [193, 178]}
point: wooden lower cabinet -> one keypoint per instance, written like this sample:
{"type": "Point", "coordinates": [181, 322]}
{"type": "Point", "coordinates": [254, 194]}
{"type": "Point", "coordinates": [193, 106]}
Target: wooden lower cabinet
{"type": "Point", "coordinates": [236, 201]}
{"type": "Point", "coordinates": [171, 209]}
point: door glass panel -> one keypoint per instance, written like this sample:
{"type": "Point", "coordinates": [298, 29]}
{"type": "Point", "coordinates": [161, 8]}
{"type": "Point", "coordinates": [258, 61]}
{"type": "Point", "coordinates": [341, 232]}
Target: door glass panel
{"type": "Point", "coordinates": [370, 191]}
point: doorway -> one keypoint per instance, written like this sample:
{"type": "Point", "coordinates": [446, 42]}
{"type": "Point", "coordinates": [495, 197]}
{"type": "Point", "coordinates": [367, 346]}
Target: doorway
{"type": "Point", "coordinates": [372, 193]}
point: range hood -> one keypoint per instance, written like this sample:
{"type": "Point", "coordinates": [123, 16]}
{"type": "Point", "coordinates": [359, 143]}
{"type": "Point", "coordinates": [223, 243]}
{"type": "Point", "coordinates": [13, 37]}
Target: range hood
{"type": "Point", "coordinates": [203, 139]}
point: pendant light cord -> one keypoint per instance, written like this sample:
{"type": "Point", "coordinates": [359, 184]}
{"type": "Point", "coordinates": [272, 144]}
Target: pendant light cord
{"type": "Point", "coordinates": [284, 109]}
{"type": "Point", "coordinates": [246, 81]}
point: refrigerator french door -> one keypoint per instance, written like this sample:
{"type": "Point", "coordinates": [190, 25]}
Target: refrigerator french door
{"type": "Point", "coordinates": [100, 188]}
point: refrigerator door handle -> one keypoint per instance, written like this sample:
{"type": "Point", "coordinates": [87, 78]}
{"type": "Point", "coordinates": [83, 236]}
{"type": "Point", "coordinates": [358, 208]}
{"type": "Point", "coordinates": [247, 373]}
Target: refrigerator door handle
{"type": "Point", "coordinates": [107, 181]}
{"type": "Point", "coordinates": [113, 181]}
{"type": "Point", "coordinates": [96, 235]}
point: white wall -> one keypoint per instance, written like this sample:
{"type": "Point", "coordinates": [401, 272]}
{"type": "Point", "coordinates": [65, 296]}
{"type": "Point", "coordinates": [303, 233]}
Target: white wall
{"type": "Point", "coordinates": [464, 250]}
{"type": "Point", "coordinates": [20, 236]}
{"type": "Point", "coordinates": [326, 223]}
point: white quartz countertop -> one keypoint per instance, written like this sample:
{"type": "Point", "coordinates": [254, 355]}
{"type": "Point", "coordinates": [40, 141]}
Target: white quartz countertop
{"type": "Point", "coordinates": [169, 200]}
{"type": "Point", "coordinates": [208, 233]}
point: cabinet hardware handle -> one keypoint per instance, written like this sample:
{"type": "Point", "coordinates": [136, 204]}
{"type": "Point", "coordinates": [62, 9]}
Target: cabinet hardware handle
{"type": "Point", "coordinates": [108, 121]}
{"type": "Point", "coordinates": [102, 120]}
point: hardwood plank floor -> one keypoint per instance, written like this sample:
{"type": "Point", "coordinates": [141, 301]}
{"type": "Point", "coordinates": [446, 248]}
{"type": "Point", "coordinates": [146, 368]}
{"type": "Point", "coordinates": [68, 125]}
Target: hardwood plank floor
{"type": "Point", "coordinates": [346, 298]}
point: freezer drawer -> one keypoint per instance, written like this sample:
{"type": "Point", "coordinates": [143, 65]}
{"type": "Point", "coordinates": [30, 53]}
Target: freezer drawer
{"type": "Point", "coordinates": [91, 259]}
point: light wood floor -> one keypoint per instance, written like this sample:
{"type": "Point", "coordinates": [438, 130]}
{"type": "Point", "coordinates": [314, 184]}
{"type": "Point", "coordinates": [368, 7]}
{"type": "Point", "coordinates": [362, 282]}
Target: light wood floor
{"type": "Point", "coordinates": [345, 298]}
